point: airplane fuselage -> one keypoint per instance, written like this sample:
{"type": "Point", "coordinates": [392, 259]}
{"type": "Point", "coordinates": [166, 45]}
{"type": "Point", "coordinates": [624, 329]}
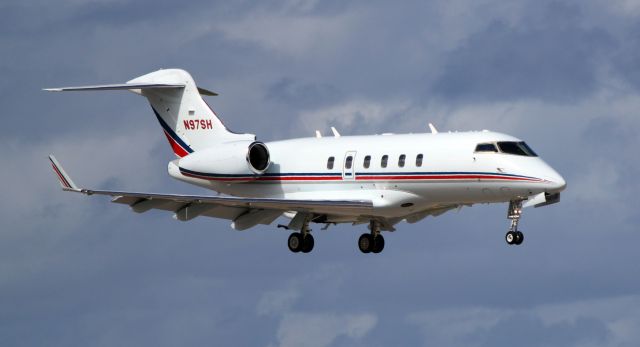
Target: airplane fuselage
{"type": "Point", "coordinates": [401, 174]}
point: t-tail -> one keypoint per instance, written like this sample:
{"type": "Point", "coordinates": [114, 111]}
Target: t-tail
{"type": "Point", "coordinates": [186, 119]}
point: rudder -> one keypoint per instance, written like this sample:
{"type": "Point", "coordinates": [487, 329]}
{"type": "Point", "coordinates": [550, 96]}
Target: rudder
{"type": "Point", "coordinates": [186, 119]}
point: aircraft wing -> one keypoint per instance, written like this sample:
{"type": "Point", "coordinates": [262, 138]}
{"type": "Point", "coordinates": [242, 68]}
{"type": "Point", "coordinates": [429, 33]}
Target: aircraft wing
{"type": "Point", "coordinates": [244, 212]}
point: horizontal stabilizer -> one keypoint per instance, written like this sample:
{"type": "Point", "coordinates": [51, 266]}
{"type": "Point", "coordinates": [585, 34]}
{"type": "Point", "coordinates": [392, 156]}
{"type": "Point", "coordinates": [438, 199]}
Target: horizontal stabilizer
{"type": "Point", "coordinates": [206, 92]}
{"type": "Point", "coordinates": [128, 86]}
{"type": "Point", "coordinates": [121, 86]}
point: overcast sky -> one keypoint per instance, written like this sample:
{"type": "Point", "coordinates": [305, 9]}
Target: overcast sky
{"type": "Point", "coordinates": [562, 75]}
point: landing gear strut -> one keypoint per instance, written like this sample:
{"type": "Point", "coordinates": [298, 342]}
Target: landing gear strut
{"type": "Point", "coordinates": [514, 236]}
{"type": "Point", "coordinates": [301, 241]}
{"type": "Point", "coordinates": [372, 242]}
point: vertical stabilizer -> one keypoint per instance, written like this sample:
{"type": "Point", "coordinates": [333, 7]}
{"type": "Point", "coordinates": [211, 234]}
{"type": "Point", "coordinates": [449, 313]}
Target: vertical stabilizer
{"type": "Point", "coordinates": [187, 121]}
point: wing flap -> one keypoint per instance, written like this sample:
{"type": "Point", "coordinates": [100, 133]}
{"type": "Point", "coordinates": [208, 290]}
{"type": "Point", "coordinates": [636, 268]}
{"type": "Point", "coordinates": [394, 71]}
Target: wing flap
{"type": "Point", "coordinates": [436, 211]}
{"type": "Point", "coordinates": [190, 211]}
{"type": "Point", "coordinates": [255, 217]}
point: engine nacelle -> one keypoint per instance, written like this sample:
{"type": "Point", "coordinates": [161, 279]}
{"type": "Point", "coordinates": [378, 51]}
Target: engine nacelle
{"type": "Point", "coordinates": [258, 157]}
{"type": "Point", "coordinates": [236, 162]}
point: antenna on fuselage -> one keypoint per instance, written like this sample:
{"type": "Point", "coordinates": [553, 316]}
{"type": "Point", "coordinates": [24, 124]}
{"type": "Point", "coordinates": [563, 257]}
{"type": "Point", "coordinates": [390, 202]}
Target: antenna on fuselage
{"type": "Point", "coordinates": [433, 129]}
{"type": "Point", "coordinates": [318, 134]}
{"type": "Point", "coordinates": [335, 132]}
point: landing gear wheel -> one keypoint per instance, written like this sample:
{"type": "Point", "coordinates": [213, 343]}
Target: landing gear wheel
{"type": "Point", "coordinates": [514, 237]}
{"type": "Point", "coordinates": [365, 243]}
{"type": "Point", "coordinates": [511, 237]}
{"type": "Point", "coordinates": [307, 243]}
{"type": "Point", "coordinates": [378, 244]}
{"type": "Point", "coordinates": [519, 238]}
{"type": "Point", "coordinates": [295, 242]}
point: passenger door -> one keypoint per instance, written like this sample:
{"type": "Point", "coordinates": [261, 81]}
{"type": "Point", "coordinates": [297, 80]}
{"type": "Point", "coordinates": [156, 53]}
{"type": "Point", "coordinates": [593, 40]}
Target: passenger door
{"type": "Point", "coordinates": [349, 166]}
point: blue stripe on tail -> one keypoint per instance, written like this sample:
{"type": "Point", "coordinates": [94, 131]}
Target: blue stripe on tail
{"type": "Point", "coordinates": [171, 133]}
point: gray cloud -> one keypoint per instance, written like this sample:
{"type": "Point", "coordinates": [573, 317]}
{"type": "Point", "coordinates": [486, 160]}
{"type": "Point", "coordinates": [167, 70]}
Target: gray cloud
{"type": "Point", "coordinates": [531, 331]}
{"type": "Point", "coordinates": [556, 60]}
{"type": "Point", "coordinates": [297, 93]}
{"type": "Point", "coordinates": [603, 322]}
{"type": "Point", "coordinates": [318, 330]}
{"type": "Point", "coordinates": [80, 271]}
{"type": "Point", "coordinates": [627, 59]}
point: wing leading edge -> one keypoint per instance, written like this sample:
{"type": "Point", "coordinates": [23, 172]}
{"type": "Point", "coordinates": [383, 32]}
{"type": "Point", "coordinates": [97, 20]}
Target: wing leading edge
{"type": "Point", "coordinates": [244, 212]}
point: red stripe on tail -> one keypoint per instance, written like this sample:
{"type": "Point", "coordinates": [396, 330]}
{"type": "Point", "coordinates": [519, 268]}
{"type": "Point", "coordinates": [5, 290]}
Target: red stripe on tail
{"type": "Point", "coordinates": [177, 149]}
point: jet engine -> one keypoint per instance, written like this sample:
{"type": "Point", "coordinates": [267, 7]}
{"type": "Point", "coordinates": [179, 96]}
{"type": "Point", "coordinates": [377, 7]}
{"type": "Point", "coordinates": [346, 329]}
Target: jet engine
{"type": "Point", "coordinates": [236, 161]}
{"type": "Point", "coordinates": [258, 157]}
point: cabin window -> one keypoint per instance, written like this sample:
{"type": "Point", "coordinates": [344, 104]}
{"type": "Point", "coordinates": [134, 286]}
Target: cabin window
{"type": "Point", "coordinates": [401, 160]}
{"type": "Point", "coordinates": [348, 162]}
{"type": "Point", "coordinates": [367, 162]}
{"type": "Point", "coordinates": [419, 160]}
{"type": "Point", "coordinates": [516, 148]}
{"type": "Point", "coordinates": [330, 163]}
{"type": "Point", "coordinates": [486, 147]}
{"type": "Point", "coordinates": [384, 160]}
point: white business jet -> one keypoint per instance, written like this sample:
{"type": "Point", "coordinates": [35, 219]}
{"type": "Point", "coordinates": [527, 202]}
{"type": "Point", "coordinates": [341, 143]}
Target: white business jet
{"type": "Point", "coordinates": [379, 180]}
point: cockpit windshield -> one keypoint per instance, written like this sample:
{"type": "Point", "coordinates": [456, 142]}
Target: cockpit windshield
{"type": "Point", "coordinates": [516, 148]}
{"type": "Point", "coordinates": [486, 147]}
{"type": "Point", "coordinates": [507, 147]}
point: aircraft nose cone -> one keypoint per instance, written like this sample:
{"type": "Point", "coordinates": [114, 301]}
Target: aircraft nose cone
{"type": "Point", "coordinates": [556, 182]}
{"type": "Point", "coordinates": [560, 184]}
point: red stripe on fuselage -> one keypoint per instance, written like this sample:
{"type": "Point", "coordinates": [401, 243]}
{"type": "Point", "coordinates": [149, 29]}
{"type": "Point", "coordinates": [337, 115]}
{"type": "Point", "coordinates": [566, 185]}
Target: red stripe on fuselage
{"type": "Point", "coordinates": [365, 178]}
{"type": "Point", "coordinates": [301, 178]}
{"type": "Point", "coordinates": [209, 178]}
{"type": "Point", "coordinates": [265, 178]}
{"type": "Point", "coordinates": [447, 177]}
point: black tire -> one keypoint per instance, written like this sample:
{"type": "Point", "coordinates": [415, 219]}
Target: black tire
{"type": "Point", "coordinates": [510, 237]}
{"type": "Point", "coordinates": [307, 243]}
{"type": "Point", "coordinates": [519, 237]}
{"type": "Point", "coordinates": [365, 243]}
{"type": "Point", "coordinates": [295, 242]}
{"type": "Point", "coordinates": [378, 244]}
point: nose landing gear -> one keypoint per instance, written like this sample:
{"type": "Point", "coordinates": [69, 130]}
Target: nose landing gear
{"type": "Point", "coordinates": [514, 236]}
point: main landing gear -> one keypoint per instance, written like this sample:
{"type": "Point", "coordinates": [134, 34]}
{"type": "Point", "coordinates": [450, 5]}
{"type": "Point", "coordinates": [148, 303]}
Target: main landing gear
{"type": "Point", "coordinates": [514, 236]}
{"type": "Point", "coordinates": [372, 242]}
{"type": "Point", "coordinates": [301, 241]}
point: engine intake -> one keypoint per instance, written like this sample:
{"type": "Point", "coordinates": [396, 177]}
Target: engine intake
{"type": "Point", "coordinates": [258, 157]}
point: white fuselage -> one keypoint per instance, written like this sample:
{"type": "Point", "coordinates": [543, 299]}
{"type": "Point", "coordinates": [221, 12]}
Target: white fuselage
{"type": "Point", "coordinates": [451, 172]}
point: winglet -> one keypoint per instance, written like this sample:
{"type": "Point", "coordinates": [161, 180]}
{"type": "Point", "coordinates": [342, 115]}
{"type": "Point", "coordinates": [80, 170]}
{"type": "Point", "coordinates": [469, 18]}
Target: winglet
{"type": "Point", "coordinates": [65, 180]}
